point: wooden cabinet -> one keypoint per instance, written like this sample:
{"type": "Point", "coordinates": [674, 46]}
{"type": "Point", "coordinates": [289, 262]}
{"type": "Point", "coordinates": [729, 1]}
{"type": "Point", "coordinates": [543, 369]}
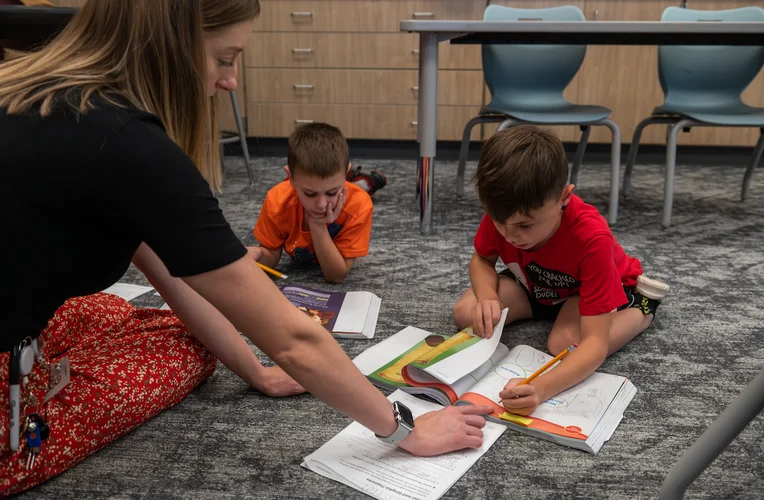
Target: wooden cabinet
{"type": "Point", "coordinates": [358, 15]}
{"type": "Point", "coordinates": [351, 50]}
{"type": "Point", "coordinates": [347, 63]}
{"type": "Point", "coordinates": [364, 120]}
{"type": "Point", "coordinates": [359, 86]}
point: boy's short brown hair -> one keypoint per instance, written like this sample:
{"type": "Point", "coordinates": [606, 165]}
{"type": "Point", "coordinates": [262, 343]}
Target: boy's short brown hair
{"type": "Point", "coordinates": [317, 149]}
{"type": "Point", "coordinates": [520, 169]}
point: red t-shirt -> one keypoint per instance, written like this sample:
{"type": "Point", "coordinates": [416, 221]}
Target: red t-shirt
{"type": "Point", "coordinates": [581, 258]}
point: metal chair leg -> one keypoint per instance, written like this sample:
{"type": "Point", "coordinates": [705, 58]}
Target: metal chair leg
{"type": "Point", "coordinates": [464, 150]}
{"type": "Point", "coordinates": [668, 188]}
{"type": "Point", "coordinates": [732, 421]}
{"type": "Point", "coordinates": [465, 147]}
{"type": "Point", "coordinates": [509, 122]}
{"type": "Point", "coordinates": [615, 168]}
{"type": "Point", "coordinates": [631, 158]}
{"type": "Point", "coordinates": [586, 130]}
{"type": "Point", "coordinates": [757, 152]}
{"type": "Point", "coordinates": [242, 136]}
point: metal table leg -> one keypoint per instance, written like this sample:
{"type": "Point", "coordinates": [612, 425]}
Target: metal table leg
{"type": "Point", "coordinates": [427, 113]}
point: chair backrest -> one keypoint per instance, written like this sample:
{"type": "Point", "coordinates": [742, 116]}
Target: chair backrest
{"type": "Point", "coordinates": [516, 73]}
{"type": "Point", "coordinates": [701, 72]}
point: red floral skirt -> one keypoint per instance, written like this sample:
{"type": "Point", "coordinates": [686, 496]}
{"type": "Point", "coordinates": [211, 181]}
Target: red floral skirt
{"type": "Point", "coordinates": [126, 366]}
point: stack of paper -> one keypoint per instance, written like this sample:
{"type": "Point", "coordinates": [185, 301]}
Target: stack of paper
{"type": "Point", "coordinates": [355, 457]}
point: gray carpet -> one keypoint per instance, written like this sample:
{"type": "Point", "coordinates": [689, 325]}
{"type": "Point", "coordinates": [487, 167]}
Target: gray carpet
{"type": "Point", "coordinates": [228, 441]}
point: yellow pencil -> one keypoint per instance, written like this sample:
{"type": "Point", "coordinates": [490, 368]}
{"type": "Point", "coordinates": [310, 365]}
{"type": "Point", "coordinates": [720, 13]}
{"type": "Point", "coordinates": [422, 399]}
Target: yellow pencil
{"type": "Point", "coordinates": [272, 271]}
{"type": "Point", "coordinates": [550, 363]}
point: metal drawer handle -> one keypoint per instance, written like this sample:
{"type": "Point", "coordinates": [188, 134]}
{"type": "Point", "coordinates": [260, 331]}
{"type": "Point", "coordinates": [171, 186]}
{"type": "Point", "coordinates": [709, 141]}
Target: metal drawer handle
{"type": "Point", "coordinates": [424, 14]}
{"type": "Point", "coordinates": [303, 87]}
{"type": "Point", "coordinates": [415, 88]}
{"type": "Point", "coordinates": [414, 124]}
{"type": "Point", "coordinates": [303, 121]}
{"type": "Point", "coordinates": [302, 51]}
{"type": "Point", "coordinates": [302, 14]}
{"type": "Point", "coordinates": [415, 51]}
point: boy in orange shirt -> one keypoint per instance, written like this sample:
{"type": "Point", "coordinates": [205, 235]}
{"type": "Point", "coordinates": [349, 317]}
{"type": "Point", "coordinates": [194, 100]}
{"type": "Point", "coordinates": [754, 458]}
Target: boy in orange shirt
{"type": "Point", "coordinates": [315, 215]}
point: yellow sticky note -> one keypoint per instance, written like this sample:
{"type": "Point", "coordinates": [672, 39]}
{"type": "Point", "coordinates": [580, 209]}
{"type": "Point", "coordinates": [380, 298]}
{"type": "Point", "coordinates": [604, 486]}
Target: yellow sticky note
{"type": "Point", "coordinates": [524, 421]}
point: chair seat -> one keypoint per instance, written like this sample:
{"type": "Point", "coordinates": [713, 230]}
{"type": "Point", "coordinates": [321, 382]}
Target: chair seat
{"type": "Point", "coordinates": [573, 114]}
{"type": "Point", "coordinates": [740, 115]}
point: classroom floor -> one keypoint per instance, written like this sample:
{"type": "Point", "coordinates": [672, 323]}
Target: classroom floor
{"type": "Point", "coordinates": [228, 441]}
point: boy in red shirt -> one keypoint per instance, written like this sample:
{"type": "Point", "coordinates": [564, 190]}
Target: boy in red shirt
{"type": "Point", "coordinates": [563, 263]}
{"type": "Point", "coordinates": [315, 215]}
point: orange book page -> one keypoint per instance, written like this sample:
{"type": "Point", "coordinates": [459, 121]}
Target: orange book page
{"type": "Point", "coordinates": [443, 387]}
{"type": "Point", "coordinates": [541, 425]}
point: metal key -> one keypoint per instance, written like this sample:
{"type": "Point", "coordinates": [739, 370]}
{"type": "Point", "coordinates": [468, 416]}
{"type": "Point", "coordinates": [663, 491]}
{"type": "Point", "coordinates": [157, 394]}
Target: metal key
{"type": "Point", "coordinates": [34, 444]}
{"type": "Point", "coordinates": [42, 425]}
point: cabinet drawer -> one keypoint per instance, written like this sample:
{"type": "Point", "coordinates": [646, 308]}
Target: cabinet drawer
{"type": "Point", "coordinates": [358, 16]}
{"type": "Point", "coordinates": [351, 50]}
{"type": "Point", "coordinates": [359, 86]}
{"type": "Point", "coordinates": [356, 122]}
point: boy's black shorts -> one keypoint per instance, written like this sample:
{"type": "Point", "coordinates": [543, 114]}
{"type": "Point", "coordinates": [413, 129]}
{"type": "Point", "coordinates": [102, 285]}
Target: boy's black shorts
{"type": "Point", "coordinates": [542, 311]}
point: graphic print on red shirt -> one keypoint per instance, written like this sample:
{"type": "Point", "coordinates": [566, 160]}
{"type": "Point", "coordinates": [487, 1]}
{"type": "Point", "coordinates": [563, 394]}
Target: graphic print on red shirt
{"type": "Point", "coordinates": [581, 258]}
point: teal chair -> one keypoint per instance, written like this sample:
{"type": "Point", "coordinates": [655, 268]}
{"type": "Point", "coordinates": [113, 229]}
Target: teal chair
{"type": "Point", "coordinates": [702, 87]}
{"type": "Point", "coordinates": [526, 84]}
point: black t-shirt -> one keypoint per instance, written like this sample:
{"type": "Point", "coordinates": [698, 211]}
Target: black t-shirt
{"type": "Point", "coordinates": [77, 197]}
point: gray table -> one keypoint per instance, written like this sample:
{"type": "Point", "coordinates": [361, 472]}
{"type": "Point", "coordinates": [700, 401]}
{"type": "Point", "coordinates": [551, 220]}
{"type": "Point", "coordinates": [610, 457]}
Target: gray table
{"type": "Point", "coordinates": [431, 33]}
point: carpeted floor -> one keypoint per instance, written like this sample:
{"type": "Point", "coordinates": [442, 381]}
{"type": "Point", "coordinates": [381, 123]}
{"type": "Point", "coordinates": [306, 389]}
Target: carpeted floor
{"type": "Point", "coordinates": [228, 441]}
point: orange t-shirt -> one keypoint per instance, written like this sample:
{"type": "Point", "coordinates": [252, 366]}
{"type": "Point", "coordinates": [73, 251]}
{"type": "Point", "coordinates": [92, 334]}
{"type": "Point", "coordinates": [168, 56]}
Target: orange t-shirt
{"type": "Point", "coordinates": [280, 224]}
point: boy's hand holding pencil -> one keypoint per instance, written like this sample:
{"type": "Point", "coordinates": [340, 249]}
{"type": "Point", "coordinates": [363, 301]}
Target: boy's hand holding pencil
{"type": "Point", "coordinates": [520, 396]}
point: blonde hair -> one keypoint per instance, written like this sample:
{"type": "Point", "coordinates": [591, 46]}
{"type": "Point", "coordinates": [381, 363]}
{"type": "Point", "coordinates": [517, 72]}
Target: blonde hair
{"type": "Point", "coordinates": [149, 52]}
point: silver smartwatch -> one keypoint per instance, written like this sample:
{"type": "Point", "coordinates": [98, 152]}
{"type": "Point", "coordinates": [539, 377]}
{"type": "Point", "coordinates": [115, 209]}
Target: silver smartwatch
{"type": "Point", "coordinates": [405, 424]}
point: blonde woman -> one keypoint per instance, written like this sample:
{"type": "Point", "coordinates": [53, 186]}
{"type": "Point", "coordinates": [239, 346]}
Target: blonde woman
{"type": "Point", "coordinates": [108, 155]}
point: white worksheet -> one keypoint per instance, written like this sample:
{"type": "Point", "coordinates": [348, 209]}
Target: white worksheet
{"type": "Point", "coordinates": [355, 457]}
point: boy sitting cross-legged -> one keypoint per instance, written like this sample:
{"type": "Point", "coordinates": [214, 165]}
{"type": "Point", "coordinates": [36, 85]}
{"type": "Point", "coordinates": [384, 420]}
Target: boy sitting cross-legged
{"type": "Point", "coordinates": [315, 215]}
{"type": "Point", "coordinates": [563, 263]}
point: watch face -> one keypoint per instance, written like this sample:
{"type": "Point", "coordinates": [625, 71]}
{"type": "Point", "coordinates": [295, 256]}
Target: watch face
{"type": "Point", "coordinates": [405, 413]}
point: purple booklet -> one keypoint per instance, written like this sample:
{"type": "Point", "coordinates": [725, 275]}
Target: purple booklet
{"type": "Point", "coordinates": [344, 314]}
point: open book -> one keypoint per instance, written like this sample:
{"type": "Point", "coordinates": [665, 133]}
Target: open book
{"type": "Point", "coordinates": [582, 417]}
{"type": "Point", "coordinates": [344, 314]}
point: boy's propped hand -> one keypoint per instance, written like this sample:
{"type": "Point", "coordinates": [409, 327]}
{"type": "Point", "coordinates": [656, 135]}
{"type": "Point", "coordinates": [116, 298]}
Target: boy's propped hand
{"type": "Point", "coordinates": [255, 253]}
{"type": "Point", "coordinates": [520, 399]}
{"type": "Point", "coordinates": [485, 314]}
{"type": "Point", "coordinates": [332, 210]}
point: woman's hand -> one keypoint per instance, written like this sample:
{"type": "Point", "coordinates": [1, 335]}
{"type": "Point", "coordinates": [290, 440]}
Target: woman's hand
{"type": "Point", "coordinates": [275, 382]}
{"type": "Point", "coordinates": [452, 428]}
